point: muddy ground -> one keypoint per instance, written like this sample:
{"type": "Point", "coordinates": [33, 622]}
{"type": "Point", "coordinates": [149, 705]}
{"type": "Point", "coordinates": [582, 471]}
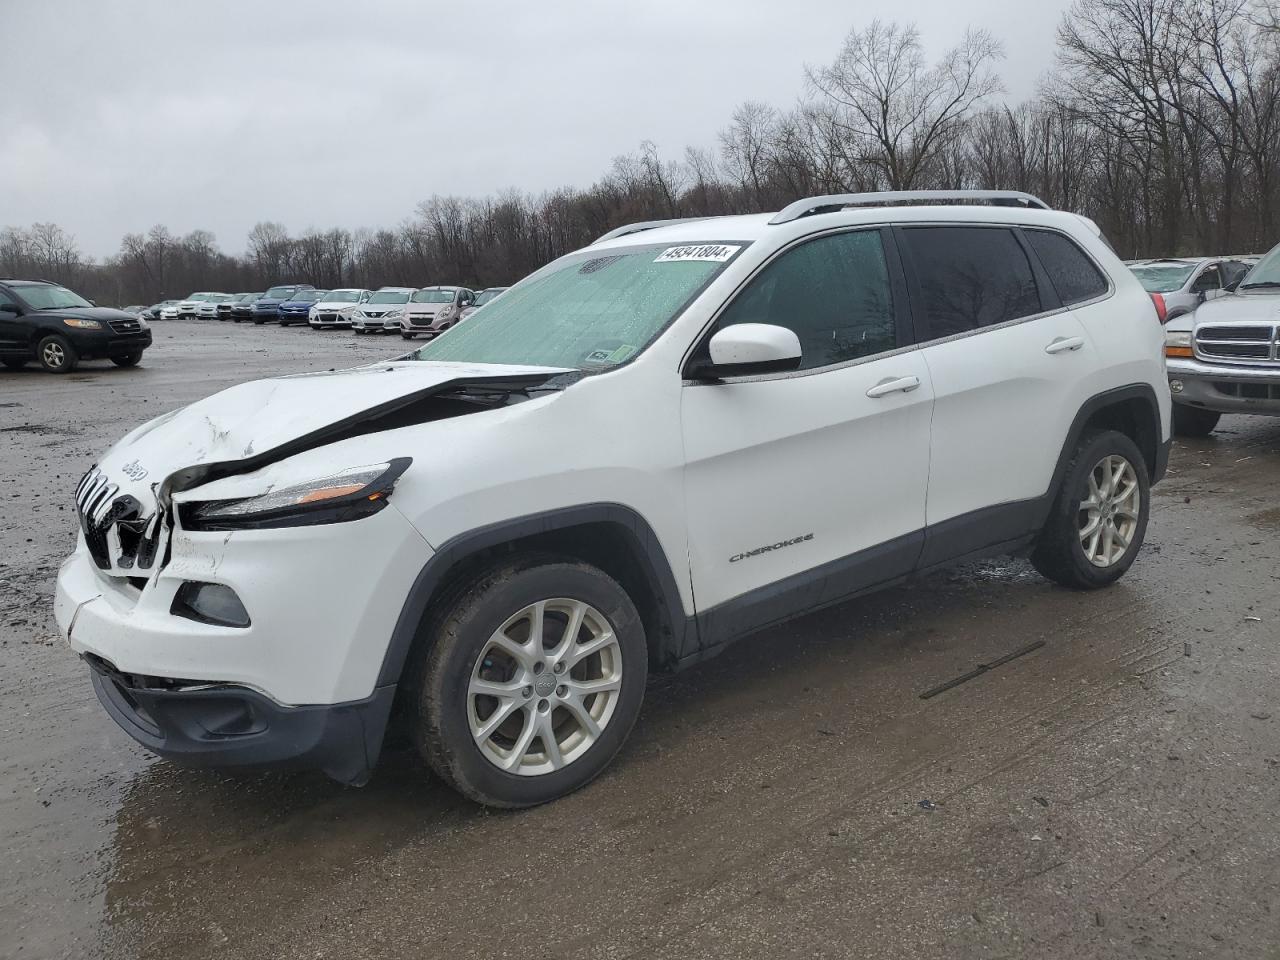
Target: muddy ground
{"type": "Point", "coordinates": [1115, 793]}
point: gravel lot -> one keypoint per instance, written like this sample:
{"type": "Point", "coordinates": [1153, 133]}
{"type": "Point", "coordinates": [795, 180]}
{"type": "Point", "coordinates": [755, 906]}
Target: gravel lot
{"type": "Point", "coordinates": [1113, 793]}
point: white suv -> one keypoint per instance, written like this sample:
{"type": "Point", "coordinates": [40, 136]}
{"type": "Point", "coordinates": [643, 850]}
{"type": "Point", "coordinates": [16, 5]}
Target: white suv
{"type": "Point", "coordinates": [680, 434]}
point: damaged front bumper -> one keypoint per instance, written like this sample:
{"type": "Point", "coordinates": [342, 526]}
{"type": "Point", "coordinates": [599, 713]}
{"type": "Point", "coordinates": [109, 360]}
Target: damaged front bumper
{"type": "Point", "coordinates": [297, 686]}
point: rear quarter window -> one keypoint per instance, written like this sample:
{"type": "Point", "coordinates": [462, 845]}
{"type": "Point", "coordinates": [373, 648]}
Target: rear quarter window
{"type": "Point", "coordinates": [1073, 274]}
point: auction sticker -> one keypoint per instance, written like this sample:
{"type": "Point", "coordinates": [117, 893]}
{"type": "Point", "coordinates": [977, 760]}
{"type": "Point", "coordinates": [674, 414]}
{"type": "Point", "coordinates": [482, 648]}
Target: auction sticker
{"type": "Point", "coordinates": [706, 252]}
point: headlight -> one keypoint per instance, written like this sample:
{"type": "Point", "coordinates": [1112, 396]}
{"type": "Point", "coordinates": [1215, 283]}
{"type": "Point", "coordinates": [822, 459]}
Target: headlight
{"type": "Point", "coordinates": [394, 314]}
{"type": "Point", "coordinates": [338, 498]}
{"type": "Point", "coordinates": [82, 324]}
{"type": "Point", "coordinates": [445, 313]}
{"type": "Point", "coordinates": [1177, 343]}
{"type": "Point", "coordinates": [142, 322]}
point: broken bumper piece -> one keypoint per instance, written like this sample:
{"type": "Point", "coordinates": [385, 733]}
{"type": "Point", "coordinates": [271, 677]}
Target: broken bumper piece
{"type": "Point", "coordinates": [224, 725]}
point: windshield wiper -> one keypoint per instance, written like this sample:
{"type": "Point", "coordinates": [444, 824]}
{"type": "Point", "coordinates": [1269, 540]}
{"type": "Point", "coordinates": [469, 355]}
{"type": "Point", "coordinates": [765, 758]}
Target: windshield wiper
{"type": "Point", "coordinates": [1260, 283]}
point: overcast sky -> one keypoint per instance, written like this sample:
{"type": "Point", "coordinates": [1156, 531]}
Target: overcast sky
{"type": "Point", "coordinates": [120, 114]}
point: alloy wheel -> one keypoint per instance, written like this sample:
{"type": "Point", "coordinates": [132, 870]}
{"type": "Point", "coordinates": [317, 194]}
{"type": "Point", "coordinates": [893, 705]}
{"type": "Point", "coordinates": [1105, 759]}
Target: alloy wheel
{"type": "Point", "coordinates": [1109, 516]}
{"type": "Point", "coordinates": [53, 355]}
{"type": "Point", "coordinates": [544, 687]}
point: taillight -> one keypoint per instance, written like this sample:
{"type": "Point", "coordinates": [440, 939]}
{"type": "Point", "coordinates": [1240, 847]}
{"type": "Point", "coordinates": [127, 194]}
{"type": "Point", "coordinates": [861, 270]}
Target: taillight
{"type": "Point", "coordinates": [1162, 312]}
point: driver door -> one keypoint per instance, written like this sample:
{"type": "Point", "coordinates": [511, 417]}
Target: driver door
{"type": "Point", "coordinates": [13, 329]}
{"type": "Point", "coordinates": [804, 487]}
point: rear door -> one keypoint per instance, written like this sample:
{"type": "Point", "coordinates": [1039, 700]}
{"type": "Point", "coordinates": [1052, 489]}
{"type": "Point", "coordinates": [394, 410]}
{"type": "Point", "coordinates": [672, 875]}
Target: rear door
{"type": "Point", "coordinates": [802, 487]}
{"type": "Point", "coordinates": [1009, 366]}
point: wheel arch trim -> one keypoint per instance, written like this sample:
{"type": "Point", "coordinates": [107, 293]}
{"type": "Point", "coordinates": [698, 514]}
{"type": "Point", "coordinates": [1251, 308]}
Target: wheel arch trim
{"type": "Point", "coordinates": [646, 549]}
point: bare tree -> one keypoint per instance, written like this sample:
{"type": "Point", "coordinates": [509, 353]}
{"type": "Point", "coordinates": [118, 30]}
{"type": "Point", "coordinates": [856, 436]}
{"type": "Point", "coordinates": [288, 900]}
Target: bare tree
{"type": "Point", "coordinates": [898, 113]}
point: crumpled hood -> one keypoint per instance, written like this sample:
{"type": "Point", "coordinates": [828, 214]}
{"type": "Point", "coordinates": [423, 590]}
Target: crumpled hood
{"type": "Point", "coordinates": [1241, 307]}
{"type": "Point", "coordinates": [249, 425]}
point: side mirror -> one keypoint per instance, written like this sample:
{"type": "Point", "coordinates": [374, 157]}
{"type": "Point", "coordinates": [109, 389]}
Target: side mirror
{"type": "Point", "coordinates": [9, 308]}
{"type": "Point", "coordinates": [746, 349]}
{"type": "Point", "coordinates": [1232, 284]}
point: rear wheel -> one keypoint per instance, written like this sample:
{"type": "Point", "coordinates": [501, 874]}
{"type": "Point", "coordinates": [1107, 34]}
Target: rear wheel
{"type": "Point", "coordinates": [56, 354]}
{"type": "Point", "coordinates": [1194, 421]}
{"type": "Point", "coordinates": [128, 359]}
{"type": "Point", "coordinates": [1099, 518]}
{"type": "Point", "coordinates": [533, 679]}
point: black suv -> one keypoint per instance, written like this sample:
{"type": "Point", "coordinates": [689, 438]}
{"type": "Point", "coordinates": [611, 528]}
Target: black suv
{"type": "Point", "coordinates": [43, 321]}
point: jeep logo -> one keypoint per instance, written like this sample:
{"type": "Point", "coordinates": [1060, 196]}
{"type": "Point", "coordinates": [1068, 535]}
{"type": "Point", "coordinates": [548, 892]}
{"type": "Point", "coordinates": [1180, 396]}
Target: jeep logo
{"type": "Point", "coordinates": [134, 470]}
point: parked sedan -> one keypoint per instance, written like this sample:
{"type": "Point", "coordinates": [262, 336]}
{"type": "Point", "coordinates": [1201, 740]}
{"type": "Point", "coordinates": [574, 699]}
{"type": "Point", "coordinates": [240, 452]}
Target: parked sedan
{"type": "Point", "coordinates": [382, 311]}
{"type": "Point", "coordinates": [266, 307]}
{"type": "Point", "coordinates": [1179, 285]}
{"type": "Point", "coordinates": [208, 309]}
{"type": "Point", "coordinates": [156, 311]}
{"type": "Point", "coordinates": [334, 309]}
{"type": "Point", "coordinates": [225, 307]}
{"type": "Point", "coordinates": [242, 308]}
{"type": "Point", "coordinates": [297, 309]}
{"type": "Point", "coordinates": [170, 310]}
{"type": "Point", "coordinates": [484, 296]}
{"type": "Point", "coordinates": [187, 308]}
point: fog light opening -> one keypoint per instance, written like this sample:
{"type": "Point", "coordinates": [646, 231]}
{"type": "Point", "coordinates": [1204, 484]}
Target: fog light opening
{"type": "Point", "coordinates": [214, 603]}
{"type": "Point", "coordinates": [1175, 386]}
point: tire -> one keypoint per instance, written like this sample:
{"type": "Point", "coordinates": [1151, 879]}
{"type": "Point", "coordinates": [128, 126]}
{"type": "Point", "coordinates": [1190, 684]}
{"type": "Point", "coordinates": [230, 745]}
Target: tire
{"type": "Point", "coordinates": [446, 708]}
{"type": "Point", "coordinates": [56, 354]}
{"type": "Point", "coordinates": [408, 336]}
{"type": "Point", "coordinates": [1194, 421]}
{"type": "Point", "coordinates": [127, 360]}
{"type": "Point", "coordinates": [1062, 553]}
{"type": "Point", "coordinates": [358, 332]}
{"type": "Point", "coordinates": [14, 363]}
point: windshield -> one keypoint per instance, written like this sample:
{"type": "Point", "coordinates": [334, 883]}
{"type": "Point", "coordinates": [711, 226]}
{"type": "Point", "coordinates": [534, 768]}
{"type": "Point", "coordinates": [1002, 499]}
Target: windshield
{"type": "Point", "coordinates": [1163, 277]}
{"type": "Point", "coordinates": [309, 296]}
{"type": "Point", "coordinates": [1265, 273]}
{"type": "Point", "coordinates": [389, 296]}
{"type": "Point", "coordinates": [249, 297]}
{"type": "Point", "coordinates": [485, 296]}
{"type": "Point", "coordinates": [585, 311]}
{"type": "Point", "coordinates": [281, 293]}
{"type": "Point", "coordinates": [51, 297]}
{"type": "Point", "coordinates": [433, 296]}
{"type": "Point", "coordinates": [342, 296]}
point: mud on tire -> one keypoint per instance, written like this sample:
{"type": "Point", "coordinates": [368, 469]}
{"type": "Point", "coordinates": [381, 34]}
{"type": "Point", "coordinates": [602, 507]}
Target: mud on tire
{"type": "Point", "coordinates": [445, 711]}
{"type": "Point", "coordinates": [1060, 553]}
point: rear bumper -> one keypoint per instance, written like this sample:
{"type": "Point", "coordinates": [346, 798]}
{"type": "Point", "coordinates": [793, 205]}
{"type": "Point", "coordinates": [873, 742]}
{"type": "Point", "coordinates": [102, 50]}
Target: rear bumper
{"type": "Point", "coordinates": [232, 726]}
{"type": "Point", "coordinates": [1225, 388]}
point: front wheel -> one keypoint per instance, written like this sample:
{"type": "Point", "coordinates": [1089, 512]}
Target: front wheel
{"type": "Point", "coordinates": [56, 354]}
{"type": "Point", "coordinates": [1194, 421]}
{"type": "Point", "coordinates": [1099, 517]}
{"type": "Point", "coordinates": [533, 679]}
{"type": "Point", "coordinates": [128, 359]}
{"type": "Point", "coordinates": [408, 336]}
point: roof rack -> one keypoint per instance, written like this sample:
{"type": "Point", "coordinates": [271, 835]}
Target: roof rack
{"type": "Point", "coordinates": [837, 201]}
{"type": "Point", "coordinates": [644, 225]}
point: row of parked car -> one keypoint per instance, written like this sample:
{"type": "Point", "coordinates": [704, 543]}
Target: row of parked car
{"type": "Point", "coordinates": [411, 311]}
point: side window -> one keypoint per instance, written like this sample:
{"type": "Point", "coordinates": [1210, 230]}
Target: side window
{"type": "Point", "coordinates": [1209, 280]}
{"type": "Point", "coordinates": [1073, 275]}
{"type": "Point", "coordinates": [832, 291]}
{"type": "Point", "coordinates": [970, 277]}
{"type": "Point", "coordinates": [5, 298]}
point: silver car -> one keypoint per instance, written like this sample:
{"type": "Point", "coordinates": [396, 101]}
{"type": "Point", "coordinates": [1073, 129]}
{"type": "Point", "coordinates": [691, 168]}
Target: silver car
{"type": "Point", "coordinates": [1183, 283]}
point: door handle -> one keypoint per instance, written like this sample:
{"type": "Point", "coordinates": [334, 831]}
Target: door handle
{"type": "Point", "coordinates": [1063, 344]}
{"type": "Point", "coordinates": [900, 385]}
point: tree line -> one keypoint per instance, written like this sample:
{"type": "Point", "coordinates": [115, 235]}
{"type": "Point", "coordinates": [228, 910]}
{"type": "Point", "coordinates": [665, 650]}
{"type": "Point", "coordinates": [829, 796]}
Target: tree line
{"type": "Point", "coordinates": [1160, 119]}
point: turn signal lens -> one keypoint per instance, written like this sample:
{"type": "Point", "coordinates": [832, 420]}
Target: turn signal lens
{"type": "Point", "coordinates": [82, 324]}
{"type": "Point", "coordinates": [1177, 343]}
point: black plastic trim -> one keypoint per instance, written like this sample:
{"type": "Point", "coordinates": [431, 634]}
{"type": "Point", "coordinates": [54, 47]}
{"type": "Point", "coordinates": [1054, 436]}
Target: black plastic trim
{"type": "Point", "coordinates": [810, 590]}
{"type": "Point", "coordinates": [645, 545]}
{"type": "Point", "coordinates": [227, 725]}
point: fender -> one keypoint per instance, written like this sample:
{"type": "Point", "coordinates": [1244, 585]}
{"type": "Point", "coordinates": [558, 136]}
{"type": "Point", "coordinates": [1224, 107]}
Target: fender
{"type": "Point", "coordinates": [645, 548]}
